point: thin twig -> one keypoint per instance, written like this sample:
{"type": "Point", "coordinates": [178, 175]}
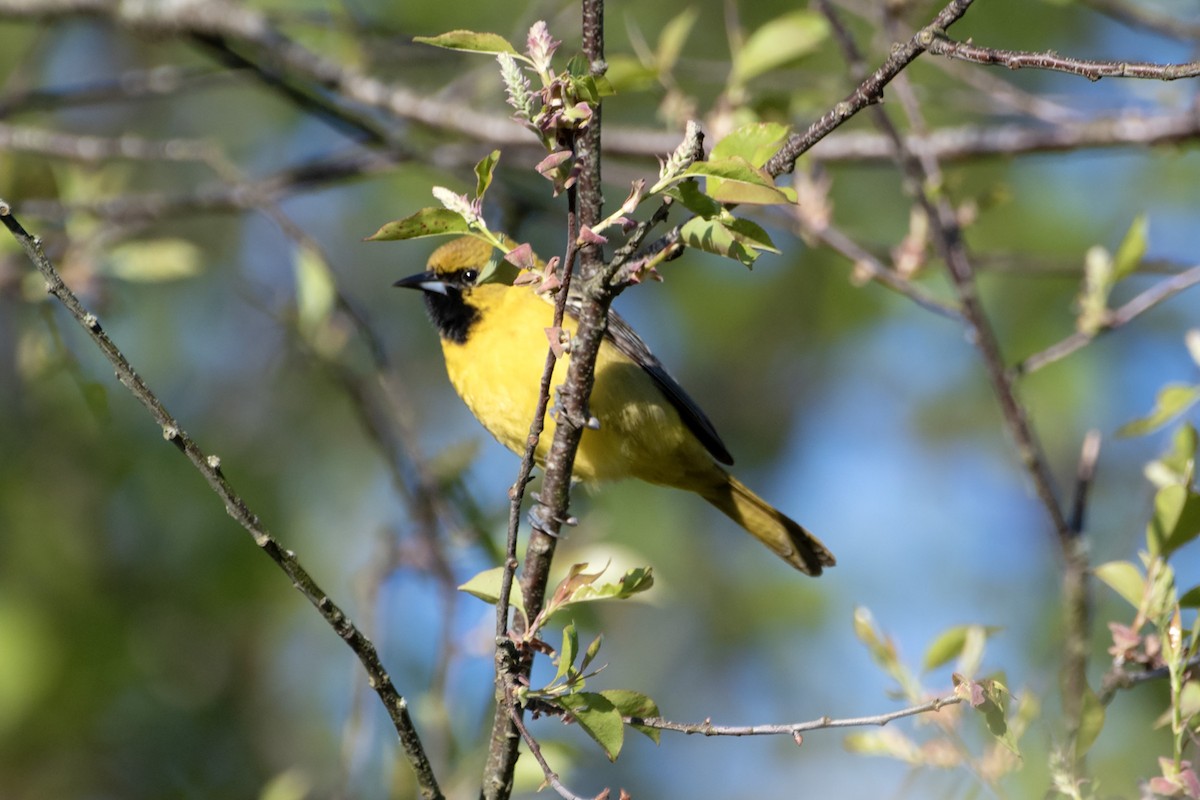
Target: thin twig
{"type": "Point", "coordinates": [1091, 69]}
{"type": "Point", "coordinates": [1123, 315]}
{"type": "Point", "coordinates": [209, 466]}
{"type": "Point", "coordinates": [706, 728]}
{"type": "Point", "coordinates": [1119, 678]}
{"type": "Point", "coordinates": [868, 92]}
{"type": "Point", "coordinates": [536, 750]}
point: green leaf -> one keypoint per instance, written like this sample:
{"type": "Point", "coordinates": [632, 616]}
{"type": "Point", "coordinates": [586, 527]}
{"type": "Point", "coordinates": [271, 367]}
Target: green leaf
{"type": "Point", "coordinates": [1125, 579]}
{"type": "Point", "coordinates": [1093, 297]}
{"type": "Point", "coordinates": [426, 222]}
{"type": "Point", "coordinates": [590, 654]}
{"type": "Point", "coordinates": [599, 719]}
{"type": "Point", "coordinates": [751, 234]}
{"type": "Point", "coordinates": [153, 260]}
{"type": "Point", "coordinates": [728, 236]}
{"type": "Point", "coordinates": [636, 705]}
{"type": "Point", "coordinates": [1131, 250]}
{"type": "Point", "coordinates": [1191, 598]}
{"type": "Point", "coordinates": [635, 581]}
{"type": "Point", "coordinates": [1179, 464]}
{"type": "Point", "coordinates": [779, 41]}
{"type": "Point", "coordinates": [952, 643]}
{"type": "Point", "coordinates": [316, 291]}
{"type": "Point", "coordinates": [736, 180]}
{"type": "Point", "coordinates": [566, 655]}
{"type": "Point", "coordinates": [672, 38]}
{"type": "Point", "coordinates": [755, 142]}
{"type": "Point", "coordinates": [627, 74]}
{"type": "Point", "coordinates": [1091, 722]}
{"type": "Point", "coordinates": [484, 171]}
{"type": "Point", "coordinates": [878, 645]}
{"type": "Point", "coordinates": [1173, 399]}
{"type": "Point", "coordinates": [891, 743]}
{"type": "Point", "coordinates": [486, 586]}
{"type": "Point", "coordinates": [470, 42]}
{"type": "Point", "coordinates": [712, 236]}
{"type": "Point", "coordinates": [694, 200]}
{"type": "Point", "coordinates": [990, 697]}
{"type": "Point", "coordinates": [1176, 519]}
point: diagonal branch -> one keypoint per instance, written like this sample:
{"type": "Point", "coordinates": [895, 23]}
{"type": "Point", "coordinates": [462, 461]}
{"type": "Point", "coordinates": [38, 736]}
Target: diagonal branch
{"type": "Point", "coordinates": [868, 92]}
{"type": "Point", "coordinates": [1091, 69]}
{"type": "Point", "coordinates": [209, 466]}
{"type": "Point", "coordinates": [1123, 315]}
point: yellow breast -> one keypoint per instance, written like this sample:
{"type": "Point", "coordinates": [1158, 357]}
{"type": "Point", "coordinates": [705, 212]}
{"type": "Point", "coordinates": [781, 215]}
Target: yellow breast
{"type": "Point", "coordinates": [497, 373]}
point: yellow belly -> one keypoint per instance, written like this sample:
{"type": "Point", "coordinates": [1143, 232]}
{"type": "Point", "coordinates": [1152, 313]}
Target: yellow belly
{"type": "Point", "coordinates": [497, 372]}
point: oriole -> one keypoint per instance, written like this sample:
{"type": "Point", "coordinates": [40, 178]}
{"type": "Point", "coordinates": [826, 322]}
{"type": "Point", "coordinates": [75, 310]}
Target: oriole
{"type": "Point", "coordinates": [494, 343]}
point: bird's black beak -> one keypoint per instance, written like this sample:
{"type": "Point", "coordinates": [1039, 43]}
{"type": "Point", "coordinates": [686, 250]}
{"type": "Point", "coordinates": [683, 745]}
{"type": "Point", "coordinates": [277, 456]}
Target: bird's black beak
{"type": "Point", "coordinates": [425, 281]}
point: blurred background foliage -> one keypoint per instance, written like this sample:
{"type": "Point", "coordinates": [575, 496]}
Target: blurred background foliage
{"type": "Point", "coordinates": [148, 650]}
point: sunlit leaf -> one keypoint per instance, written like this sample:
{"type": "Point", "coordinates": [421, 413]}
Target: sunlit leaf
{"type": "Point", "coordinates": [153, 260]}
{"type": "Point", "coordinates": [566, 655]}
{"type": "Point", "coordinates": [672, 38]}
{"type": "Point", "coordinates": [590, 654]}
{"type": "Point", "coordinates": [889, 742]}
{"type": "Point", "coordinates": [637, 705]}
{"type": "Point", "coordinates": [1131, 250]}
{"type": "Point", "coordinates": [778, 42]}
{"type": "Point", "coordinates": [316, 291]}
{"type": "Point", "coordinates": [950, 644]}
{"type": "Point", "coordinates": [1192, 340]}
{"type": "Point", "coordinates": [1179, 464]}
{"type": "Point", "coordinates": [484, 171]}
{"type": "Point", "coordinates": [599, 719]}
{"type": "Point", "coordinates": [469, 42]}
{"type": "Point", "coordinates": [755, 142]}
{"type": "Point", "coordinates": [628, 74]}
{"type": "Point", "coordinates": [695, 200]}
{"type": "Point", "coordinates": [1176, 519]}
{"type": "Point", "coordinates": [634, 581]}
{"type": "Point", "coordinates": [1173, 399]}
{"type": "Point", "coordinates": [426, 222]}
{"type": "Point", "coordinates": [1093, 297]}
{"type": "Point", "coordinates": [1125, 579]}
{"type": "Point", "coordinates": [736, 180]}
{"type": "Point", "coordinates": [711, 236]}
{"type": "Point", "coordinates": [486, 586]}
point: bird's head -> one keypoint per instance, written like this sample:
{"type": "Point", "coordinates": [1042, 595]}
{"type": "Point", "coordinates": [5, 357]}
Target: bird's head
{"type": "Point", "coordinates": [459, 266]}
{"type": "Point", "coordinates": [455, 271]}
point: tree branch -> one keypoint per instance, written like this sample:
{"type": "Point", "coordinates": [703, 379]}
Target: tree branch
{"type": "Point", "coordinates": [1087, 68]}
{"type": "Point", "coordinates": [706, 728]}
{"type": "Point", "coordinates": [868, 92]}
{"type": "Point", "coordinates": [1123, 315]}
{"type": "Point", "coordinates": [209, 466]}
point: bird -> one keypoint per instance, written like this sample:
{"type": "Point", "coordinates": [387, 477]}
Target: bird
{"type": "Point", "coordinates": [493, 335]}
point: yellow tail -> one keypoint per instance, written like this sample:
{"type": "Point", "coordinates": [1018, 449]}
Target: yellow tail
{"type": "Point", "coordinates": [787, 538]}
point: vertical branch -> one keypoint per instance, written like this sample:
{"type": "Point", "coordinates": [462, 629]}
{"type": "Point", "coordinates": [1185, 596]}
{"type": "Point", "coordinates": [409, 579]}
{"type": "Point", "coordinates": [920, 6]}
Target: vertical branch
{"type": "Point", "coordinates": [553, 502]}
{"type": "Point", "coordinates": [926, 184]}
{"type": "Point", "coordinates": [1077, 604]}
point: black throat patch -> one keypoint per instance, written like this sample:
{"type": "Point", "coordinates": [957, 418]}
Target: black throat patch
{"type": "Point", "coordinates": [451, 314]}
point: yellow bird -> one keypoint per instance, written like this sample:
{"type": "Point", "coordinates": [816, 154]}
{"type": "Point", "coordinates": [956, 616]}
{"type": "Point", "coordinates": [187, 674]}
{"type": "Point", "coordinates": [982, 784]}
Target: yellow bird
{"type": "Point", "coordinates": [494, 342]}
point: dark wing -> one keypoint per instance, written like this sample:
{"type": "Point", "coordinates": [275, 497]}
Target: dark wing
{"type": "Point", "coordinates": [629, 343]}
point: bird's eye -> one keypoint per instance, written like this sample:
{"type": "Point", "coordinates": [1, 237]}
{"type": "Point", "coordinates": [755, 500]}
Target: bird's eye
{"type": "Point", "coordinates": [470, 275]}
